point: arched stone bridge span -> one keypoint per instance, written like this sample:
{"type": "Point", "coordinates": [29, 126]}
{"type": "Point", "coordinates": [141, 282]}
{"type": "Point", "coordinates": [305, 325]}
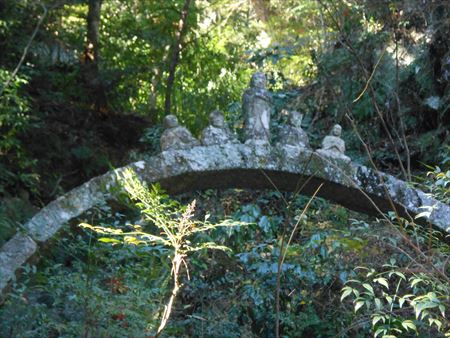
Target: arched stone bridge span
{"type": "Point", "coordinates": [232, 165]}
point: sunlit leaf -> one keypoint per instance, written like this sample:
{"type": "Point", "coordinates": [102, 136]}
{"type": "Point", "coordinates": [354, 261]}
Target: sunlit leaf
{"type": "Point", "coordinates": [109, 240]}
{"type": "Point", "coordinates": [383, 281]}
{"type": "Point", "coordinates": [347, 291]}
{"type": "Point", "coordinates": [358, 305]}
{"type": "Point", "coordinates": [378, 303]}
{"type": "Point", "coordinates": [369, 288]}
{"type": "Point", "coordinates": [408, 324]}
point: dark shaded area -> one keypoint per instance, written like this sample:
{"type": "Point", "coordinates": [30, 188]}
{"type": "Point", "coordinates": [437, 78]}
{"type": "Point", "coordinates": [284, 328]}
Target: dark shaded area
{"type": "Point", "coordinates": [350, 198]}
{"type": "Point", "coordinates": [71, 150]}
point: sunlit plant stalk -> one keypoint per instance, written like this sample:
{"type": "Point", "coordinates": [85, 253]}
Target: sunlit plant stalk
{"type": "Point", "coordinates": [175, 222]}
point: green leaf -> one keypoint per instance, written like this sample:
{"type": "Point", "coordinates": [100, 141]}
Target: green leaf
{"type": "Point", "coordinates": [408, 324]}
{"type": "Point", "coordinates": [429, 305]}
{"type": "Point", "coordinates": [369, 288]}
{"type": "Point", "coordinates": [346, 291]}
{"type": "Point", "coordinates": [442, 309]}
{"type": "Point", "coordinates": [370, 273]}
{"type": "Point", "coordinates": [389, 299]}
{"type": "Point", "coordinates": [376, 319]}
{"type": "Point", "coordinates": [401, 275]}
{"type": "Point", "coordinates": [353, 281]}
{"type": "Point", "coordinates": [418, 310]}
{"type": "Point", "coordinates": [378, 303]}
{"type": "Point", "coordinates": [108, 240]}
{"type": "Point", "coordinates": [358, 305]}
{"type": "Point", "coordinates": [383, 281]}
{"type": "Point", "coordinates": [416, 281]}
{"type": "Point", "coordinates": [379, 331]}
{"type": "Point", "coordinates": [425, 214]}
{"type": "Point", "coordinates": [436, 322]}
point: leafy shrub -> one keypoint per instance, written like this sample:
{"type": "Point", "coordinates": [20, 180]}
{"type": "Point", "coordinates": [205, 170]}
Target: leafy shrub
{"type": "Point", "coordinates": [14, 119]}
{"type": "Point", "coordinates": [120, 290]}
{"type": "Point", "coordinates": [438, 184]}
{"type": "Point", "coordinates": [411, 295]}
{"type": "Point", "coordinates": [393, 296]}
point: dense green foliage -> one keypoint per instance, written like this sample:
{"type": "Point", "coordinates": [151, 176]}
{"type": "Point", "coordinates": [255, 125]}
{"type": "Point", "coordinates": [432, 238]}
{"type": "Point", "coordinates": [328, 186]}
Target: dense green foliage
{"type": "Point", "coordinates": [89, 287]}
{"type": "Point", "coordinates": [379, 68]}
{"type": "Point", "coordinates": [319, 57]}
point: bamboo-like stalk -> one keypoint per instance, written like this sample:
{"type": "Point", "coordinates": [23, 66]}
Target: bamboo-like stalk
{"type": "Point", "coordinates": [176, 265]}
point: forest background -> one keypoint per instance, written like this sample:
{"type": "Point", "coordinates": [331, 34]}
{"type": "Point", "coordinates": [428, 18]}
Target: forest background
{"type": "Point", "coordinates": [84, 85]}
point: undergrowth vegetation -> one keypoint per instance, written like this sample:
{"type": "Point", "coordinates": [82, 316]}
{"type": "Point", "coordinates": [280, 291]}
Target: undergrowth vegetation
{"type": "Point", "coordinates": [379, 69]}
{"type": "Point", "coordinates": [92, 285]}
{"type": "Point", "coordinates": [81, 92]}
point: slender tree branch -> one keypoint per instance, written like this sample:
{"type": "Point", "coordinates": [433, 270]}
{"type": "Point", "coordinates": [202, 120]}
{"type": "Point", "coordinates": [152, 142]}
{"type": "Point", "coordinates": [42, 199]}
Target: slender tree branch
{"type": "Point", "coordinates": [176, 50]}
{"type": "Point", "coordinates": [281, 258]}
{"type": "Point", "coordinates": [26, 49]}
{"type": "Point", "coordinates": [349, 46]}
{"type": "Point", "coordinates": [298, 221]}
{"type": "Point", "coordinates": [370, 77]}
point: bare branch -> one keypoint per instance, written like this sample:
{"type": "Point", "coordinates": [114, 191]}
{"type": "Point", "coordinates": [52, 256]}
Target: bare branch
{"type": "Point", "coordinates": [26, 49]}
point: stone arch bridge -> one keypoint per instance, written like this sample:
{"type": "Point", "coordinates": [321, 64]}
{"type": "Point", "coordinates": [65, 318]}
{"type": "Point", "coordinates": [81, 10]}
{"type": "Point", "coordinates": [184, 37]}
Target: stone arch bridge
{"type": "Point", "coordinates": [232, 165]}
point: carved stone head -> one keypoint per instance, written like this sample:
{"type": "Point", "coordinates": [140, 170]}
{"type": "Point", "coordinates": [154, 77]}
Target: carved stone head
{"type": "Point", "coordinates": [295, 118]}
{"type": "Point", "coordinates": [170, 121]}
{"type": "Point", "coordinates": [258, 80]}
{"type": "Point", "coordinates": [216, 119]}
{"type": "Point", "coordinates": [336, 131]}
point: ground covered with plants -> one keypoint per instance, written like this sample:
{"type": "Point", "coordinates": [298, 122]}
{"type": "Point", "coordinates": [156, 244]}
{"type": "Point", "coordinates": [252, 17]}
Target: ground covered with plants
{"type": "Point", "coordinates": [84, 83]}
{"type": "Point", "coordinates": [319, 270]}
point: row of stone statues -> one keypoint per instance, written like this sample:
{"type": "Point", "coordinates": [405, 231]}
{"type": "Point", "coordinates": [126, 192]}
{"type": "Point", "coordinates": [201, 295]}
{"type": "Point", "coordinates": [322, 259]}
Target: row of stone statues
{"type": "Point", "coordinates": [257, 106]}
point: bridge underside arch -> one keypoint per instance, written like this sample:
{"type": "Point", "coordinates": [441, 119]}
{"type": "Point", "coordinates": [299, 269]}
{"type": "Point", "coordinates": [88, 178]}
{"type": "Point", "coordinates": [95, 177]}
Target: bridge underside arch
{"type": "Point", "coordinates": [349, 197]}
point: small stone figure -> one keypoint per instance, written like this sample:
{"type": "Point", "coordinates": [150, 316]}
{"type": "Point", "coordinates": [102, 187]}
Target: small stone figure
{"type": "Point", "coordinates": [333, 146]}
{"type": "Point", "coordinates": [217, 132]}
{"type": "Point", "coordinates": [256, 105]}
{"type": "Point", "coordinates": [292, 134]}
{"type": "Point", "coordinates": [175, 136]}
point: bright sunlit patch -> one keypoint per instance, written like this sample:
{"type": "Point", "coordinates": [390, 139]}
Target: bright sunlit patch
{"type": "Point", "coordinates": [264, 39]}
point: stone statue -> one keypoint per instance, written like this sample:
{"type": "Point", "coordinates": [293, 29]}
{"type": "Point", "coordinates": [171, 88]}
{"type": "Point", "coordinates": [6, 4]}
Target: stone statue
{"type": "Point", "coordinates": [333, 146]}
{"type": "Point", "coordinates": [175, 136]}
{"type": "Point", "coordinates": [256, 105]}
{"type": "Point", "coordinates": [292, 134]}
{"type": "Point", "coordinates": [217, 132]}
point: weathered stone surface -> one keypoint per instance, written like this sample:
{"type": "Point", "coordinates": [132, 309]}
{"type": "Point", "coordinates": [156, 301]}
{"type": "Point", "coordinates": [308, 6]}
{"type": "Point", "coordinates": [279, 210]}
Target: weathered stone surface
{"type": "Point", "coordinates": [333, 146]}
{"type": "Point", "coordinates": [217, 132]}
{"type": "Point", "coordinates": [409, 200]}
{"type": "Point", "coordinates": [256, 105]}
{"type": "Point", "coordinates": [242, 165]}
{"type": "Point", "coordinates": [235, 165]}
{"type": "Point", "coordinates": [46, 223]}
{"type": "Point", "coordinates": [13, 255]}
{"type": "Point", "coordinates": [175, 136]}
{"type": "Point", "coordinates": [292, 134]}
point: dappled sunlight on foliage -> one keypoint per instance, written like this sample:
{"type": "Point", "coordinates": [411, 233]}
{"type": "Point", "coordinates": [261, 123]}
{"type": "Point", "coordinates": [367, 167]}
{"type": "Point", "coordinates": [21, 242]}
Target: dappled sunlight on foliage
{"type": "Point", "coordinates": [84, 86]}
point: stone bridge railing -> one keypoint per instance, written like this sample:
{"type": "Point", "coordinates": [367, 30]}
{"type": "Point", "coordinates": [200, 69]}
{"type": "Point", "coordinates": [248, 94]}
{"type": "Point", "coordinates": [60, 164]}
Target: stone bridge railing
{"type": "Point", "coordinates": [221, 161]}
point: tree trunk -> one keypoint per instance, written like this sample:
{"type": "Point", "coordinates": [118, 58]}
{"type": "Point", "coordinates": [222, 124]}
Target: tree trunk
{"type": "Point", "coordinates": [153, 96]}
{"type": "Point", "coordinates": [93, 29]}
{"type": "Point", "coordinates": [176, 49]}
{"type": "Point", "coordinates": [261, 8]}
{"type": "Point", "coordinates": [91, 72]}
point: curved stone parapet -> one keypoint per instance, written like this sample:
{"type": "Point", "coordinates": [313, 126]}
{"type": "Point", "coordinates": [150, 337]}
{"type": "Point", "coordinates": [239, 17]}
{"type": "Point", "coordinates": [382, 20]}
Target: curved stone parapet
{"type": "Point", "coordinates": [232, 165]}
